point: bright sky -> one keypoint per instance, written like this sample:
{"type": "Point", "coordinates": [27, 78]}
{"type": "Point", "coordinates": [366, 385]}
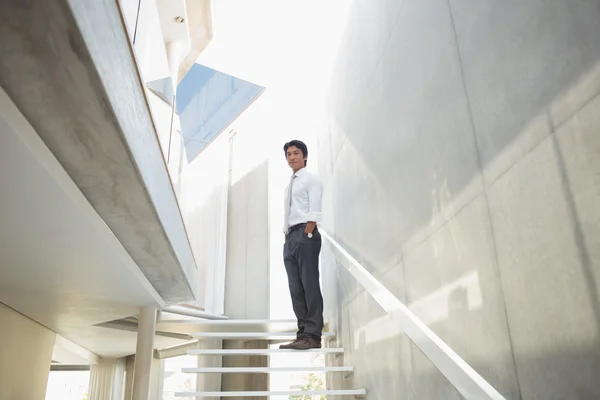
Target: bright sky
{"type": "Point", "coordinates": [286, 46]}
{"type": "Point", "coordinates": [71, 385]}
{"type": "Point", "coordinates": [289, 47]}
{"type": "Point", "coordinates": [265, 41]}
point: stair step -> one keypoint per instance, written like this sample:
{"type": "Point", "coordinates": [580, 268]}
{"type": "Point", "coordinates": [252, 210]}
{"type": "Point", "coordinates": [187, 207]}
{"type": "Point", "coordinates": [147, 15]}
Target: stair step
{"type": "Point", "coordinates": [252, 335]}
{"type": "Point", "coordinates": [263, 370]}
{"type": "Point", "coordinates": [235, 322]}
{"type": "Point", "coordinates": [352, 392]}
{"type": "Point", "coordinates": [258, 352]}
{"type": "Point", "coordinates": [187, 312]}
{"type": "Point", "coordinates": [189, 325]}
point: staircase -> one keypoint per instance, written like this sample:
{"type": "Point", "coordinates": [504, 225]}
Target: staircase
{"type": "Point", "coordinates": [275, 331]}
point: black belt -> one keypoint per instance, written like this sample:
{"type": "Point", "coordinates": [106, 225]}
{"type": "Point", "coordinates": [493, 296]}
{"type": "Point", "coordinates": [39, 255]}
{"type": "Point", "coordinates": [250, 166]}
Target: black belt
{"type": "Point", "coordinates": [294, 227]}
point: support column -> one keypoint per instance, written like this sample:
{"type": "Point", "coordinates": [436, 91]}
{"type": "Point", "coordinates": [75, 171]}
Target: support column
{"type": "Point", "coordinates": [144, 353]}
{"type": "Point", "coordinates": [174, 59]}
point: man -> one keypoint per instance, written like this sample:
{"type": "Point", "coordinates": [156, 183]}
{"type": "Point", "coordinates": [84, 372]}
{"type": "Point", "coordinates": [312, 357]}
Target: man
{"type": "Point", "coordinates": [303, 201]}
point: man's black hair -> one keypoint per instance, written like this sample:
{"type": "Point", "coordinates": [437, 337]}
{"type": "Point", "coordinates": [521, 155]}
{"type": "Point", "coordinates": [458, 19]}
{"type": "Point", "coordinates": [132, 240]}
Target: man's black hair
{"type": "Point", "coordinates": [300, 145]}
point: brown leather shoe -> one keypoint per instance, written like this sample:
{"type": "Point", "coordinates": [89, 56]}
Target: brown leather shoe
{"type": "Point", "coordinates": [305, 343]}
{"type": "Point", "coordinates": [289, 345]}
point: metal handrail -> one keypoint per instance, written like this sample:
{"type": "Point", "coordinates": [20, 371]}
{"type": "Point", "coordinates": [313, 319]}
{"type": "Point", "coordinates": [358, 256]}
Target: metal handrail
{"type": "Point", "coordinates": [461, 375]}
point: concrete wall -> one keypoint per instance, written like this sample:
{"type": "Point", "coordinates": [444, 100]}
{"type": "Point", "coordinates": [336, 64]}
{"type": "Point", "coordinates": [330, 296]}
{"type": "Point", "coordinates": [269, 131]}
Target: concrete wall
{"type": "Point", "coordinates": [247, 275]}
{"type": "Point", "coordinates": [245, 382]}
{"type": "Point", "coordinates": [121, 172]}
{"type": "Point", "coordinates": [209, 382]}
{"type": "Point", "coordinates": [203, 201]}
{"type": "Point", "coordinates": [25, 356]}
{"type": "Point", "coordinates": [461, 162]}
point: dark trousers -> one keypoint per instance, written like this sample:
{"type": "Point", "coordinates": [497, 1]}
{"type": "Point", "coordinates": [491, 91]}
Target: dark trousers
{"type": "Point", "coordinates": [301, 259]}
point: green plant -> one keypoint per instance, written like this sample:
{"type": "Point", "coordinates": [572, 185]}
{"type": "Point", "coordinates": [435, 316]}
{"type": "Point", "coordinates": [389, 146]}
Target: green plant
{"type": "Point", "coordinates": [312, 382]}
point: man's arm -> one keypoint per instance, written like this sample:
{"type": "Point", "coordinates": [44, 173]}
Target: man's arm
{"type": "Point", "coordinates": [315, 204]}
{"type": "Point", "coordinates": [310, 227]}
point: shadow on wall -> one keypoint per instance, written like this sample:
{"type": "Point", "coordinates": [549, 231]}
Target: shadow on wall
{"type": "Point", "coordinates": [457, 87]}
{"type": "Point", "coordinates": [426, 112]}
{"type": "Point", "coordinates": [394, 366]}
{"type": "Point", "coordinates": [582, 250]}
{"type": "Point", "coordinates": [387, 363]}
{"type": "Point", "coordinates": [455, 93]}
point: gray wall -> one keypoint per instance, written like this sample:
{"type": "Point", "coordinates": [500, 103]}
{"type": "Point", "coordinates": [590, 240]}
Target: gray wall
{"type": "Point", "coordinates": [245, 382]}
{"type": "Point", "coordinates": [25, 356]}
{"type": "Point", "coordinates": [247, 273]}
{"type": "Point", "coordinates": [461, 163]}
{"type": "Point", "coordinates": [209, 382]}
{"type": "Point", "coordinates": [111, 149]}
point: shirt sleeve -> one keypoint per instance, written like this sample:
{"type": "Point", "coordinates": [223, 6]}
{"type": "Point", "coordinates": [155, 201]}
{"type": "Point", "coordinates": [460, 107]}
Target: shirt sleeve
{"type": "Point", "coordinates": [315, 200]}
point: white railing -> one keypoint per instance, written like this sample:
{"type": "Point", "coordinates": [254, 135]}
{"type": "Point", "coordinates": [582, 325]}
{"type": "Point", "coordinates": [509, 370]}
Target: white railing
{"type": "Point", "coordinates": [460, 374]}
{"type": "Point", "coordinates": [192, 312]}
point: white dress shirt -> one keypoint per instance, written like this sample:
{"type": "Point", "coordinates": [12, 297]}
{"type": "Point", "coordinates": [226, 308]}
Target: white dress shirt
{"type": "Point", "coordinates": [307, 199]}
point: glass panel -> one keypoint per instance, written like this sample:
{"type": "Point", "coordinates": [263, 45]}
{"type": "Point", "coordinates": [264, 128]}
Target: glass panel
{"type": "Point", "coordinates": [207, 102]}
{"type": "Point", "coordinates": [163, 88]}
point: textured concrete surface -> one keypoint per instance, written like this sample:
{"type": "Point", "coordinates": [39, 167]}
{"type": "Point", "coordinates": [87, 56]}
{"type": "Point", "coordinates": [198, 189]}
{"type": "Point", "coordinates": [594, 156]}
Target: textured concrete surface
{"type": "Point", "coordinates": [247, 273]}
{"type": "Point", "coordinates": [461, 165]}
{"type": "Point", "coordinates": [69, 68]}
{"type": "Point", "coordinates": [385, 361]}
{"type": "Point", "coordinates": [245, 382]}
{"type": "Point", "coordinates": [452, 285]}
{"type": "Point", "coordinates": [209, 382]}
{"type": "Point", "coordinates": [546, 216]}
{"type": "Point", "coordinates": [520, 59]}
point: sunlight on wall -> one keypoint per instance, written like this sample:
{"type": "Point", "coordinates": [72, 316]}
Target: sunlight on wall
{"type": "Point", "coordinates": [462, 293]}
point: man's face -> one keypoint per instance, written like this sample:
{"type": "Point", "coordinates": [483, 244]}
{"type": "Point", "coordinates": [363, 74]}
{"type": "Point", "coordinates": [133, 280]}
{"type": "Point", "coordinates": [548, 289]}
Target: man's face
{"type": "Point", "coordinates": [295, 159]}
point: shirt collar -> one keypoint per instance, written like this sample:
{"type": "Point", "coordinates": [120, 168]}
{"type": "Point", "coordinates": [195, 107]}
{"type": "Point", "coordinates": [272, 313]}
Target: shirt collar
{"type": "Point", "coordinates": [300, 172]}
